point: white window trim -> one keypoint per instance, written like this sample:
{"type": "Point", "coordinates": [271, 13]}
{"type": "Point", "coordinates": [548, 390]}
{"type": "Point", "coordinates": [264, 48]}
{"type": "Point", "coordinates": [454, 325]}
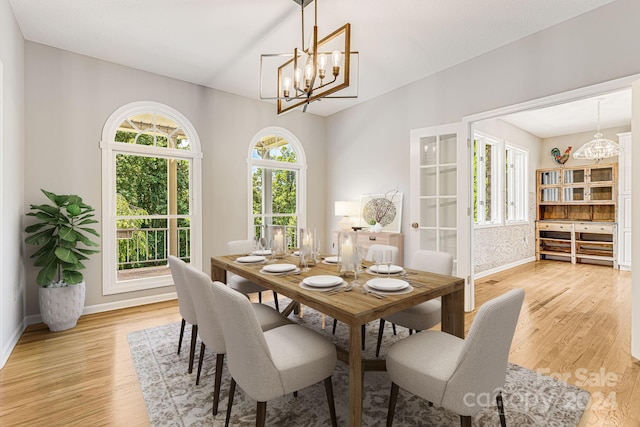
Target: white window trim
{"type": "Point", "coordinates": [524, 175]}
{"type": "Point", "coordinates": [300, 166]}
{"type": "Point", "coordinates": [497, 161]}
{"type": "Point", "coordinates": [110, 285]}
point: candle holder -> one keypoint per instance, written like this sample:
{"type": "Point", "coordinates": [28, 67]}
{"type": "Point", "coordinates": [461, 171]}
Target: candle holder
{"type": "Point", "coordinates": [347, 254]}
{"type": "Point", "coordinates": [279, 244]}
{"type": "Point", "coordinates": [308, 244]}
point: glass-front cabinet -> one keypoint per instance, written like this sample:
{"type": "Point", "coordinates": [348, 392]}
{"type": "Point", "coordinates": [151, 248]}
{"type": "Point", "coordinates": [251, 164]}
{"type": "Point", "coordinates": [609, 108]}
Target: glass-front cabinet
{"type": "Point", "coordinates": [593, 184]}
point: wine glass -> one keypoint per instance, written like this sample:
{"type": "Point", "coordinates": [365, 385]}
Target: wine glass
{"type": "Point", "coordinates": [376, 257]}
{"type": "Point", "coordinates": [305, 253]}
{"type": "Point", "coordinates": [388, 259]}
{"type": "Point", "coordinates": [358, 255]}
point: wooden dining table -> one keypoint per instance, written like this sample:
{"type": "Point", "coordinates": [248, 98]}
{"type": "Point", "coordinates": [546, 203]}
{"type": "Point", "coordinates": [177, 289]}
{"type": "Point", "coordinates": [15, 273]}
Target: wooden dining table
{"type": "Point", "coordinates": [353, 308]}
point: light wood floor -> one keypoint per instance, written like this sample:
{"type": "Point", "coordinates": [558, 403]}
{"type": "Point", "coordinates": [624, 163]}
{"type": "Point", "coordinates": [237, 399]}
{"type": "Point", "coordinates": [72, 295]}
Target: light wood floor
{"type": "Point", "coordinates": [575, 325]}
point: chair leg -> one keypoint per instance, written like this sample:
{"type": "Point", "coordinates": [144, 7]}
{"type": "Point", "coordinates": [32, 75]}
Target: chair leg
{"type": "Point", "coordinates": [202, 347]}
{"type": "Point", "coordinates": [335, 323]}
{"type": "Point", "coordinates": [328, 386]}
{"type": "Point", "coordinates": [218, 381]}
{"type": "Point", "coordinates": [275, 300]}
{"type": "Point", "coordinates": [393, 325]}
{"type": "Point", "coordinates": [380, 332]}
{"type": "Point", "coordinates": [393, 398]}
{"type": "Point", "coordinates": [232, 391]}
{"type": "Point", "coordinates": [192, 350]}
{"type": "Point", "coordinates": [410, 331]}
{"type": "Point", "coordinates": [261, 414]}
{"type": "Point", "coordinates": [260, 297]}
{"type": "Point", "coordinates": [182, 325]}
{"type": "Point", "coordinates": [503, 421]}
{"type": "Point", "coordinates": [465, 421]}
{"type": "Point", "coordinates": [362, 331]}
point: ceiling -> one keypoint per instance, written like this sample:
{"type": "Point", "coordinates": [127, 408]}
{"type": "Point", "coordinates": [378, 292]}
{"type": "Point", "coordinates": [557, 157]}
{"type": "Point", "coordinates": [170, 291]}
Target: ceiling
{"type": "Point", "coordinates": [576, 117]}
{"type": "Point", "coordinates": [217, 43]}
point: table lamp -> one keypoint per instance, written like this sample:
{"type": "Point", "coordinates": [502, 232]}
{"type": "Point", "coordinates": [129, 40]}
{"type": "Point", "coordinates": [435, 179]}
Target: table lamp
{"type": "Point", "coordinates": [347, 209]}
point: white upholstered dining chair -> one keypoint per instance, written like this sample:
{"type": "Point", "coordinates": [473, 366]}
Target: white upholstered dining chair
{"type": "Point", "coordinates": [185, 306]}
{"type": "Point", "coordinates": [270, 364]}
{"type": "Point", "coordinates": [209, 330]}
{"type": "Point", "coordinates": [239, 283]}
{"type": "Point", "coordinates": [427, 314]}
{"type": "Point", "coordinates": [459, 375]}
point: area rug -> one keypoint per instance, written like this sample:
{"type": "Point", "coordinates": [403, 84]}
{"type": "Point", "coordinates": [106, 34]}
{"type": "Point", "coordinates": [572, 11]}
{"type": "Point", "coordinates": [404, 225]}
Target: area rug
{"type": "Point", "coordinates": [173, 399]}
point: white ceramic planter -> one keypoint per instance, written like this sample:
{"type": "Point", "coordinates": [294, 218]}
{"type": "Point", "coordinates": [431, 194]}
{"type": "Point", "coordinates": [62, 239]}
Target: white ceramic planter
{"type": "Point", "coordinates": [61, 308]}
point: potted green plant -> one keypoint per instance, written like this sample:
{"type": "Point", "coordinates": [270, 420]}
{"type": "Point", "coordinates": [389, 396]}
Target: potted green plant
{"type": "Point", "coordinates": [62, 236]}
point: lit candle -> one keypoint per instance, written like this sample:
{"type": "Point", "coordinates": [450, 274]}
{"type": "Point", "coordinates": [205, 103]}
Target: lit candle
{"type": "Point", "coordinates": [346, 252]}
{"type": "Point", "coordinates": [307, 240]}
{"type": "Point", "coordinates": [278, 240]}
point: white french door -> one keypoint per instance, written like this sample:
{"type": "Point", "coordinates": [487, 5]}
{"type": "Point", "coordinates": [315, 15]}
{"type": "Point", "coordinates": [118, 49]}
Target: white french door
{"type": "Point", "coordinates": [440, 196]}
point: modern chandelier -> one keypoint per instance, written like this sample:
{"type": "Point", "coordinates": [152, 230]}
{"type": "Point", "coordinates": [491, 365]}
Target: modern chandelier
{"type": "Point", "coordinates": [314, 71]}
{"type": "Point", "coordinates": [598, 148]}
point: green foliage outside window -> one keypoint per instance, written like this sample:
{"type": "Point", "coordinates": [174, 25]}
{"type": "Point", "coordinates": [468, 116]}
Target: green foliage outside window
{"type": "Point", "coordinates": [142, 190]}
{"type": "Point", "coordinates": [283, 193]}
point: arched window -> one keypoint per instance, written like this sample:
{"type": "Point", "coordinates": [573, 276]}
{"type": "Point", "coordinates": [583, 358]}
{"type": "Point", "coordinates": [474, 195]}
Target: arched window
{"type": "Point", "coordinates": [277, 182]}
{"type": "Point", "coordinates": [151, 170]}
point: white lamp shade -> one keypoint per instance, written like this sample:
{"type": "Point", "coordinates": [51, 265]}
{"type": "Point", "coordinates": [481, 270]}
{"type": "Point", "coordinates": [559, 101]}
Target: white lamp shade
{"type": "Point", "coordinates": [347, 208]}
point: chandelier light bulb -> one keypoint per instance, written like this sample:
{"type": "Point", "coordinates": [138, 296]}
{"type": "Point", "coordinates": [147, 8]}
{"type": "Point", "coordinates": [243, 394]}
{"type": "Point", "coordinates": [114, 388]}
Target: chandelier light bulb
{"type": "Point", "coordinates": [286, 86]}
{"type": "Point", "coordinates": [336, 57]}
{"type": "Point", "coordinates": [322, 63]}
{"type": "Point", "coordinates": [297, 76]}
{"type": "Point", "coordinates": [308, 75]}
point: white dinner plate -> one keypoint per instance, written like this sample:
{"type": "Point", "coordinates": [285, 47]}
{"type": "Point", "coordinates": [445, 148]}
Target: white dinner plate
{"type": "Point", "coordinates": [250, 259]}
{"type": "Point", "coordinates": [322, 281]}
{"type": "Point", "coordinates": [386, 284]}
{"type": "Point", "coordinates": [262, 252]}
{"type": "Point", "coordinates": [331, 259]}
{"type": "Point", "coordinates": [393, 269]}
{"type": "Point", "coordinates": [278, 268]}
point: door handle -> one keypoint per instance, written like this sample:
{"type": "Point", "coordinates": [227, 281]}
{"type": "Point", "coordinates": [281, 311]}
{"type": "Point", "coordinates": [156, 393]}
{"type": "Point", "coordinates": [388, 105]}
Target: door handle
{"type": "Point", "coordinates": [415, 225]}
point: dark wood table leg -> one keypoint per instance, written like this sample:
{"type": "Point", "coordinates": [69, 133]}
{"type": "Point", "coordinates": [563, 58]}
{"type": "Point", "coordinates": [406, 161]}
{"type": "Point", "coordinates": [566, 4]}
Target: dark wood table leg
{"type": "Point", "coordinates": [453, 313]}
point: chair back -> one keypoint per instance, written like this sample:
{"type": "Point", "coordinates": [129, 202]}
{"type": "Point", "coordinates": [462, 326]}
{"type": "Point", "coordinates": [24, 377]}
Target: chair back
{"type": "Point", "coordinates": [482, 366]}
{"type": "Point", "coordinates": [239, 247]}
{"type": "Point", "coordinates": [433, 262]}
{"type": "Point", "coordinates": [249, 358]}
{"type": "Point", "coordinates": [373, 248]}
{"type": "Point", "coordinates": [185, 301]}
{"type": "Point", "coordinates": [201, 289]}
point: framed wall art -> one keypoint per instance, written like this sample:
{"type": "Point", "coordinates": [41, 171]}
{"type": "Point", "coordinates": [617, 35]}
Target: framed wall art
{"type": "Point", "coordinates": [384, 209]}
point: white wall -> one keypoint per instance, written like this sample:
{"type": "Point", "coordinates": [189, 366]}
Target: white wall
{"type": "Point", "coordinates": [369, 144]}
{"type": "Point", "coordinates": [12, 286]}
{"type": "Point", "coordinates": [68, 99]}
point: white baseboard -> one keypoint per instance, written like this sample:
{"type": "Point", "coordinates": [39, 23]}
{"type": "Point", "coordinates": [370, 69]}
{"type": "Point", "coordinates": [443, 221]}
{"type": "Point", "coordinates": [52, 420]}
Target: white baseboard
{"type": "Point", "coordinates": [99, 308]}
{"type": "Point", "coordinates": [15, 337]}
{"type": "Point", "coordinates": [502, 268]}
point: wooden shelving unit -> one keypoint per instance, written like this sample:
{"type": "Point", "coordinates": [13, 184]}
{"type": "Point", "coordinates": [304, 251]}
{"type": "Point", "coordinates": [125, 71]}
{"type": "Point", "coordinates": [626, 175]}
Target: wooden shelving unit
{"type": "Point", "coordinates": [576, 213]}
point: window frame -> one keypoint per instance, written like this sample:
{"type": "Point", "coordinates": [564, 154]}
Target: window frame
{"type": "Point", "coordinates": [501, 150]}
{"type": "Point", "coordinates": [516, 181]}
{"type": "Point", "coordinates": [110, 150]}
{"type": "Point", "coordinates": [496, 183]}
{"type": "Point", "coordinates": [300, 167]}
